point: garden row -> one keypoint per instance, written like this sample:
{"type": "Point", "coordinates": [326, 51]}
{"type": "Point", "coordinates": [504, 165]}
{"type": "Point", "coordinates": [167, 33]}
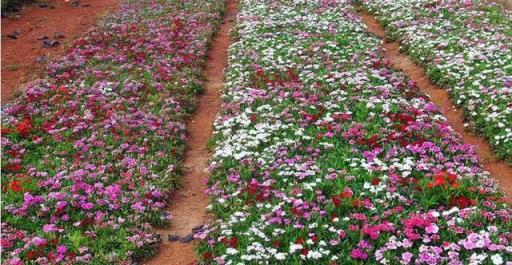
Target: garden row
{"type": "Point", "coordinates": [90, 151]}
{"type": "Point", "coordinates": [326, 155]}
{"type": "Point", "coordinates": [466, 47]}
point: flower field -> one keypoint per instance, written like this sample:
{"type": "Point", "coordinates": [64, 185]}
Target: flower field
{"type": "Point", "coordinates": [326, 155]}
{"type": "Point", "coordinates": [466, 47]}
{"type": "Point", "coordinates": [90, 152]}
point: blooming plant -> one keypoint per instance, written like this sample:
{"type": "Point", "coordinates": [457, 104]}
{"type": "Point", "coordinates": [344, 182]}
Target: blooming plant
{"type": "Point", "coordinates": [466, 46]}
{"type": "Point", "coordinates": [326, 155]}
{"type": "Point", "coordinates": [90, 151]}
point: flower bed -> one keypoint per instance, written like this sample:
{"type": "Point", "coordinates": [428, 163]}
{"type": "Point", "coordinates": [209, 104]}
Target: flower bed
{"type": "Point", "coordinates": [466, 47]}
{"type": "Point", "coordinates": [90, 152]}
{"type": "Point", "coordinates": [325, 155]}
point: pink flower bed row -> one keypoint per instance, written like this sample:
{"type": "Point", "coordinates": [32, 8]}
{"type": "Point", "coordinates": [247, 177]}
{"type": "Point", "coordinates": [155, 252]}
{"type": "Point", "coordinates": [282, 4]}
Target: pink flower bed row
{"type": "Point", "coordinates": [90, 152]}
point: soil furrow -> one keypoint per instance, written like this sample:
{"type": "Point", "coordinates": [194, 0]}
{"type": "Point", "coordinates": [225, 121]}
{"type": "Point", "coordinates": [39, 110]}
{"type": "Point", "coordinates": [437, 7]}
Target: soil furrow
{"type": "Point", "coordinates": [188, 205]}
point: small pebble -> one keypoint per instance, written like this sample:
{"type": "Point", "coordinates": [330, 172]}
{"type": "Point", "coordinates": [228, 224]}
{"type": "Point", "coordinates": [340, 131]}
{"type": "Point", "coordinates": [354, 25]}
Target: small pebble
{"type": "Point", "coordinates": [14, 34]}
{"type": "Point", "coordinates": [43, 37]}
{"type": "Point", "coordinates": [187, 239]}
{"type": "Point", "coordinates": [42, 59]}
{"type": "Point", "coordinates": [59, 35]}
{"type": "Point", "coordinates": [43, 5]}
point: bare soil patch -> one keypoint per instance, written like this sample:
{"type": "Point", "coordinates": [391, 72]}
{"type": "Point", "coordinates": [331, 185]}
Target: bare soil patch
{"type": "Point", "coordinates": [24, 57]}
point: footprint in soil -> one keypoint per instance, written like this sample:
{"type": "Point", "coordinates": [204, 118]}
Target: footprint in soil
{"type": "Point", "coordinates": [187, 239]}
{"type": "Point", "coordinates": [48, 43]}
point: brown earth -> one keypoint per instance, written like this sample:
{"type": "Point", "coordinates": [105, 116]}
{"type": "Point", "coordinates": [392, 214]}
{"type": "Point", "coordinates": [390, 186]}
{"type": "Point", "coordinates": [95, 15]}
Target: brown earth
{"type": "Point", "coordinates": [505, 3]}
{"type": "Point", "coordinates": [499, 169]}
{"type": "Point", "coordinates": [188, 205]}
{"type": "Point", "coordinates": [19, 55]}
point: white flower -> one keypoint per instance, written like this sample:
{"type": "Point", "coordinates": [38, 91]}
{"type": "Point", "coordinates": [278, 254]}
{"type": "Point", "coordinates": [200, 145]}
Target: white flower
{"type": "Point", "coordinates": [231, 251]}
{"type": "Point", "coordinates": [313, 254]}
{"type": "Point", "coordinates": [295, 247]}
{"type": "Point", "coordinates": [280, 256]}
{"type": "Point", "coordinates": [497, 259]}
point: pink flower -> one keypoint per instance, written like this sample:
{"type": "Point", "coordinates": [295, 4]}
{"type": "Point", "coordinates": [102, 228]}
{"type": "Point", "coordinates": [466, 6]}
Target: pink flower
{"type": "Point", "coordinates": [358, 254]}
{"type": "Point", "coordinates": [5, 243]}
{"type": "Point", "coordinates": [61, 249]}
{"type": "Point", "coordinates": [233, 178]}
{"type": "Point", "coordinates": [406, 257]}
{"type": "Point", "coordinates": [87, 206]}
{"type": "Point", "coordinates": [47, 228]}
{"type": "Point", "coordinates": [39, 241]}
{"type": "Point", "coordinates": [432, 228]}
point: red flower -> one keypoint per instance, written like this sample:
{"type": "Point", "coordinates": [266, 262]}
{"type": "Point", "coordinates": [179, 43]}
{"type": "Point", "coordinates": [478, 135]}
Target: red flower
{"type": "Point", "coordinates": [336, 200]}
{"type": "Point", "coordinates": [357, 203]}
{"type": "Point", "coordinates": [253, 117]}
{"type": "Point", "coordinates": [6, 131]}
{"type": "Point", "coordinates": [451, 177]}
{"type": "Point", "coordinates": [346, 194]}
{"type": "Point", "coordinates": [13, 167]}
{"type": "Point", "coordinates": [304, 251]}
{"type": "Point", "coordinates": [461, 201]}
{"type": "Point", "coordinates": [24, 127]}
{"type": "Point", "coordinates": [31, 255]}
{"type": "Point", "coordinates": [16, 186]}
{"type": "Point", "coordinates": [438, 181]}
{"type": "Point", "coordinates": [233, 242]}
{"type": "Point", "coordinates": [375, 181]}
{"type": "Point", "coordinates": [207, 256]}
{"type": "Point", "coordinates": [276, 243]}
{"type": "Point", "coordinates": [405, 118]}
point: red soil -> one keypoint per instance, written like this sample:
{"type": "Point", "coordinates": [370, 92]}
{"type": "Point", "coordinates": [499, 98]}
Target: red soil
{"type": "Point", "coordinates": [19, 55]}
{"type": "Point", "coordinates": [500, 170]}
{"type": "Point", "coordinates": [188, 205]}
{"type": "Point", "coordinates": [507, 4]}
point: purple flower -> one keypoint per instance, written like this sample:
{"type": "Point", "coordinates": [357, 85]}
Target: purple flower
{"type": "Point", "coordinates": [87, 206]}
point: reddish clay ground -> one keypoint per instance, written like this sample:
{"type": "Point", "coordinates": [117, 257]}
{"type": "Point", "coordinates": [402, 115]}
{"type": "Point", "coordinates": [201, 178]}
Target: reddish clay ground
{"type": "Point", "coordinates": [506, 3]}
{"type": "Point", "coordinates": [188, 206]}
{"type": "Point", "coordinates": [500, 170]}
{"type": "Point", "coordinates": [19, 55]}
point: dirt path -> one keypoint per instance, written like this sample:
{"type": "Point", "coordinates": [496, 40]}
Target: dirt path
{"type": "Point", "coordinates": [188, 206]}
{"type": "Point", "coordinates": [500, 170]}
{"type": "Point", "coordinates": [20, 56]}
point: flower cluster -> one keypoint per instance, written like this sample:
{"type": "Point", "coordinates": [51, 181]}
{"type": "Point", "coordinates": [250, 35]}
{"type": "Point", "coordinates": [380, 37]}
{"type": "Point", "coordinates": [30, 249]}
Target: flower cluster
{"type": "Point", "coordinates": [466, 47]}
{"type": "Point", "coordinates": [90, 152]}
{"type": "Point", "coordinates": [326, 155]}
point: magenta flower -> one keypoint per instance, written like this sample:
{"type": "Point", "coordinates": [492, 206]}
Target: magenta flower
{"type": "Point", "coordinates": [357, 253]}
